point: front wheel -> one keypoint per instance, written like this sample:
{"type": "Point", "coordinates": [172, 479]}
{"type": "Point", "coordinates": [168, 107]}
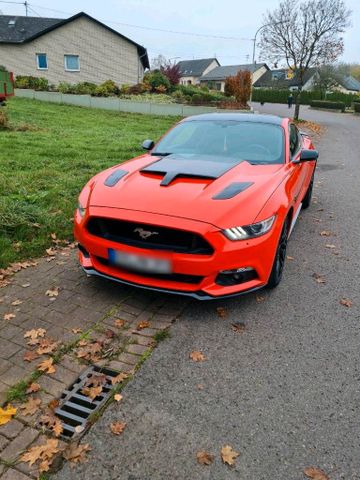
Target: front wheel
{"type": "Point", "coordinates": [280, 257]}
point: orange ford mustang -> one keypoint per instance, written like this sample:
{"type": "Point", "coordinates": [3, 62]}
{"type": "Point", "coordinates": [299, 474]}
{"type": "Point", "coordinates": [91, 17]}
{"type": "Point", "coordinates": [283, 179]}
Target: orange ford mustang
{"type": "Point", "coordinates": [206, 212]}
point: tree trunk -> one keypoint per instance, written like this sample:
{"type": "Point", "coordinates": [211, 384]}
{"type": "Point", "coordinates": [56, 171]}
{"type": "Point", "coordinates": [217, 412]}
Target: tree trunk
{"type": "Point", "coordinates": [297, 104]}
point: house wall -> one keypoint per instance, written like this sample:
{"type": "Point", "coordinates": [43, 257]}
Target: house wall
{"type": "Point", "coordinates": [103, 55]}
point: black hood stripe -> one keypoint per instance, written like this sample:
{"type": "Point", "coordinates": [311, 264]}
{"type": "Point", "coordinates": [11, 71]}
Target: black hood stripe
{"type": "Point", "coordinates": [232, 190]}
{"type": "Point", "coordinates": [114, 177]}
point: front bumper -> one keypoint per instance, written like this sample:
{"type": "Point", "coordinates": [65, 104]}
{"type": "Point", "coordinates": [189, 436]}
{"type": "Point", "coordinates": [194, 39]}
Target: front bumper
{"type": "Point", "coordinates": [257, 253]}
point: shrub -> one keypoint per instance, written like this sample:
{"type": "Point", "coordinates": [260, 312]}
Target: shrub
{"type": "Point", "coordinates": [65, 87]}
{"type": "Point", "coordinates": [328, 104]}
{"type": "Point", "coordinates": [138, 89]}
{"type": "Point", "coordinates": [172, 72]}
{"type": "Point", "coordinates": [155, 79]}
{"type": "Point", "coordinates": [3, 68]}
{"type": "Point", "coordinates": [84, 88]}
{"type": "Point", "coordinates": [107, 89]}
{"type": "Point", "coordinates": [239, 86]}
{"type": "Point", "coordinates": [281, 96]}
{"type": "Point", "coordinates": [196, 98]}
{"type": "Point", "coordinates": [357, 107]}
{"type": "Point", "coordinates": [35, 83]}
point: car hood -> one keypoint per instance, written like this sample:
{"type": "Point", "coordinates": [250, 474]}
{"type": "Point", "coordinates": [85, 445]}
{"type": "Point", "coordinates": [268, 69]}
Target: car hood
{"type": "Point", "coordinates": [144, 185]}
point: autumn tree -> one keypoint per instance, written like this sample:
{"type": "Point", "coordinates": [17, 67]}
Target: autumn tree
{"type": "Point", "coordinates": [239, 86]}
{"type": "Point", "coordinates": [326, 78]}
{"type": "Point", "coordinates": [304, 34]}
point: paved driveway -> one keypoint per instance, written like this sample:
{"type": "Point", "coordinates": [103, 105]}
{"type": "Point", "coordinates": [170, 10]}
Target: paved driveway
{"type": "Point", "coordinates": [285, 392]}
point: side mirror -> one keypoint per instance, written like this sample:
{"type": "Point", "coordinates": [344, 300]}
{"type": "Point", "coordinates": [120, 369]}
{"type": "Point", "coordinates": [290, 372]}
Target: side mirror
{"type": "Point", "coordinates": [309, 155]}
{"type": "Point", "coordinates": [148, 145]}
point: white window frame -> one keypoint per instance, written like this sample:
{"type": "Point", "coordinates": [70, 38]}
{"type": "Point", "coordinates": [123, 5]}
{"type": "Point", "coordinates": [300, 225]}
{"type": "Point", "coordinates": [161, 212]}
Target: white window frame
{"type": "Point", "coordinates": [71, 69]}
{"type": "Point", "coordinates": [37, 61]}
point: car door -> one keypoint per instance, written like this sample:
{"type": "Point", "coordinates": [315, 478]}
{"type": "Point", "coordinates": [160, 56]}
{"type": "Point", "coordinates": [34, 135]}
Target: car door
{"type": "Point", "coordinates": [299, 173]}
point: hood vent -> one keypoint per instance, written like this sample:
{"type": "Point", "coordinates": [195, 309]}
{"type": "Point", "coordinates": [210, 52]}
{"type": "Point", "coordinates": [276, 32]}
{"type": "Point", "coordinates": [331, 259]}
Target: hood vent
{"type": "Point", "coordinates": [232, 190]}
{"type": "Point", "coordinates": [174, 166]}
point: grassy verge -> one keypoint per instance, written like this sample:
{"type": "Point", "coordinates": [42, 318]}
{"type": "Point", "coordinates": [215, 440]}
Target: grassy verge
{"type": "Point", "coordinates": [43, 169]}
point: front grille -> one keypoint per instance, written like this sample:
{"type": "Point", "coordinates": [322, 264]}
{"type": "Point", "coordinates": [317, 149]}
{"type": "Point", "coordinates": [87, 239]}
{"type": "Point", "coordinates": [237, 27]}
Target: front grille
{"type": "Point", "coordinates": [173, 277]}
{"type": "Point", "coordinates": [158, 238]}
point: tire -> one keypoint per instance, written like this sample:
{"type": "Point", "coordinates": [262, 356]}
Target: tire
{"type": "Point", "coordinates": [280, 257]}
{"type": "Point", "coordinates": [307, 199]}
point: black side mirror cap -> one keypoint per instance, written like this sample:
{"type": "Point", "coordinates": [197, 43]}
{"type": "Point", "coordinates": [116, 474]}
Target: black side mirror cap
{"type": "Point", "coordinates": [308, 155]}
{"type": "Point", "coordinates": [148, 145]}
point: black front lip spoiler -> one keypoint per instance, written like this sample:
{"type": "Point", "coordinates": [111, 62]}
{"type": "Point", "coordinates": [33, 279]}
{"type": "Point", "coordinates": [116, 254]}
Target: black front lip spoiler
{"type": "Point", "coordinates": [199, 295]}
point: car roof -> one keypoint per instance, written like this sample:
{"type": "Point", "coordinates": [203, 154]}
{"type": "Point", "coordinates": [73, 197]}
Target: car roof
{"type": "Point", "coordinates": [237, 117]}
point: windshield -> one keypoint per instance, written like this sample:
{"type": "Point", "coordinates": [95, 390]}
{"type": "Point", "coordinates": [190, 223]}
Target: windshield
{"type": "Point", "coordinates": [258, 143]}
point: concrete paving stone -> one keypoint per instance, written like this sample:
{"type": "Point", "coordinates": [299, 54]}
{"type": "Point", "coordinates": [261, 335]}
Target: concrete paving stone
{"type": "Point", "coordinates": [60, 334]}
{"type": "Point", "coordinates": [72, 364]}
{"type": "Point", "coordinates": [3, 442]}
{"type": "Point", "coordinates": [143, 340]}
{"type": "Point", "coordinates": [34, 322]}
{"type": "Point", "coordinates": [128, 358]}
{"type": "Point", "coordinates": [146, 332]}
{"type": "Point", "coordinates": [11, 429]}
{"type": "Point", "coordinates": [12, 474]}
{"type": "Point", "coordinates": [130, 309]}
{"type": "Point", "coordinates": [13, 375]}
{"type": "Point", "coordinates": [64, 375]}
{"type": "Point", "coordinates": [121, 366]}
{"type": "Point", "coordinates": [84, 314]}
{"type": "Point", "coordinates": [53, 317]}
{"type": "Point", "coordinates": [51, 386]}
{"type": "Point", "coordinates": [63, 306]}
{"type": "Point", "coordinates": [124, 316]}
{"type": "Point", "coordinates": [9, 349]}
{"type": "Point", "coordinates": [20, 318]}
{"type": "Point", "coordinates": [10, 332]}
{"type": "Point", "coordinates": [136, 349]}
{"type": "Point", "coordinates": [4, 365]}
{"type": "Point", "coordinates": [3, 396]}
{"type": "Point", "coordinates": [34, 309]}
{"type": "Point", "coordinates": [159, 325]}
{"type": "Point", "coordinates": [19, 444]}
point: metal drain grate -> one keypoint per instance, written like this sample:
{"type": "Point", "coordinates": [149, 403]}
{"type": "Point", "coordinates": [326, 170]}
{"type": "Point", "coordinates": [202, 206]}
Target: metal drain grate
{"type": "Point", "coordinates": [75, 407]}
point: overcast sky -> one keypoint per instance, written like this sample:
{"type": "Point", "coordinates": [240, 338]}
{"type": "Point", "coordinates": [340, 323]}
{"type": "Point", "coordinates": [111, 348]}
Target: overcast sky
{"type": "Point", "coordinates": [225, 18]}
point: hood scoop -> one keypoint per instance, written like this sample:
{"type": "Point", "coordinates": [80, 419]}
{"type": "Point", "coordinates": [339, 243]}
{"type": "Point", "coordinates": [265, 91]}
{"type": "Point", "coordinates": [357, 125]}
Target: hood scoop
{"type": "Point", "coordinates": [174, 166]}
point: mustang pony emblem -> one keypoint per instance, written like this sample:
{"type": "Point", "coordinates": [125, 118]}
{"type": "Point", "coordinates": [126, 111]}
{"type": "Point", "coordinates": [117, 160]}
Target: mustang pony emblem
{"type": "Point", "coordinates": [144, 234]}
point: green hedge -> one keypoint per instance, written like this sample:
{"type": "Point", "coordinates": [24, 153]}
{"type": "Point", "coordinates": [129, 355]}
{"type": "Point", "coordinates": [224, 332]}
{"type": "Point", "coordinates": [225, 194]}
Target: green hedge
{"type": "Point", "coordinates": [328, 104]}
{"type": "Point", "coordinates": [281, 96]}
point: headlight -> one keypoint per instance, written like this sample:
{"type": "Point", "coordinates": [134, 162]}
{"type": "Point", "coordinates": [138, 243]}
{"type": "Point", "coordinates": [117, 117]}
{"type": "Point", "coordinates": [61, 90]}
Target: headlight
{"type": "Point", "coordinates": [249, 231]}
{"type": "Point", "coordinates": [81, 210]}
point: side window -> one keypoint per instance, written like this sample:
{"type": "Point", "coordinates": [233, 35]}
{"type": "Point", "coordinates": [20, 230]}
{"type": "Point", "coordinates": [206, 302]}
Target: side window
{"type": "Point", "coordinates": [294, 139]}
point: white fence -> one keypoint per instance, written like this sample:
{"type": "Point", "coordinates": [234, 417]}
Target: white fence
{"type": "Point", "coordinates": [119, 105]}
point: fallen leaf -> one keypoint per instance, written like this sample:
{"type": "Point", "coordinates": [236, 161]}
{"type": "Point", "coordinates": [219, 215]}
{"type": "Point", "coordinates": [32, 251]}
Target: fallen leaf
{"type": "Point", "coordinates": [46, 345]}
{"type": "Point", "coordinates": [79, 428]}
{"type": "Point", "coordinates": [318, 278]}
{"type": "Point", "coordinates": [47, 366]}
{"type": "Point", "coordinates": [119, 323]}
{"type": "Point", "coordinates": [43, 453]}
{"type": "Point", "coordinates": [35, 333]}
{"type": "Point", "coordinates": [30, 355]}
{"type": "Point", "coordinates": [76, 330]}
{"type": "Point", "coordinates": [51, 421]}
{"type": "Point", "coordinates": [346, 302]}
{"type": "Point", "coordinates": [91, 352]}
{"type": "Point", "coordinates": [259, 298]}
{"type": "Point", "coordinates": [15, 303]}
{"type": "Point", "coordinates": [119, 378]}
{"type": "Point", "coordinates": [204, 458]}
{"type": "Point", "coordinates": [6, 414]}
{"type": "Point", "coordinates": [228, 455]}
{"type": "Point", "coordinates": [109, 333]}
{"type": "Point", "coordinates": [221, 311]}
{"type": "Point", "coordinates": [92, 392]}
{"type": "Point", "coordinates": [76, 453]}
{"type": "Point", "coordinates": [142, 325]}
{"type": "Point", "coordinates": [200, 386]}
{"type": "Point", "coordinates": [329, 245]}
{"type": "Point", "coordinates": [118, 397]}
{"type": "Point", "coordinates": [9, 316]}
{"type": "Point", "coordinates": [326, 233]}
{"type": "Point", "coordinates": [52, 292]}
{"type": "Point", "coordinates": [288, 257]}
{"type": "Point", "coordinates": [117, 427]}
{"type": "Point", "coordinates": [238, 327]}
{"type": "Point", "coordinates": [51, 251]}
{"type": "Point", "coordinates": [26, 285]}
{"type": "Point", "coordinates": [197, 356]}
{"type": "Point", "coordinates": [33, 388]}
{"type": "Point", "coordinates": [31, 406]}
{"type": "Point", "coordinates": [53, 404]}
{"type": "Point", "coordinates": [315, 474]}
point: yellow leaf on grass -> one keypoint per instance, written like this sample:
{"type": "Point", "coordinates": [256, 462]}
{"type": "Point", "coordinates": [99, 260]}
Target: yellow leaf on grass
{"type": "Point", "coordinates": [228, 455]}
{"type": "Point", "coordinates": [197, 356]}
{"type": "Point", "coordinates": [6, 414]}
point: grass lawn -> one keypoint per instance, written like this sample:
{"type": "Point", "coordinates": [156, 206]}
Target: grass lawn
{"type": "Point", "coordinates": [43, 170]}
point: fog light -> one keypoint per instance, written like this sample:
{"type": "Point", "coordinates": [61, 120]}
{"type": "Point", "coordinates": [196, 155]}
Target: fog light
{"type": "Point", "coordinates": [236, 276]}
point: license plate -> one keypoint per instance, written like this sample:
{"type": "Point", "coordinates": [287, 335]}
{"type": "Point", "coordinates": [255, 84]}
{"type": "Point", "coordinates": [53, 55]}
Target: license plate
{"type": "Point", "coordinates": [139, 263]}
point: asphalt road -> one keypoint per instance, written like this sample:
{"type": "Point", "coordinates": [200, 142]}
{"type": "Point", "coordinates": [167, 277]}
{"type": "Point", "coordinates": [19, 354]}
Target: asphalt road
{"type": "Point", "coordinates": [285, 392]}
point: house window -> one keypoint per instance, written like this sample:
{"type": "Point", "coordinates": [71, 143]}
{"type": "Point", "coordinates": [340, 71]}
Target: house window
{"type": "Point", "coordinates": [41, 59]}
{"type": "Point", "coordinates": [218, 86]}
{"type": "Point", "coordinates": [72, 63]}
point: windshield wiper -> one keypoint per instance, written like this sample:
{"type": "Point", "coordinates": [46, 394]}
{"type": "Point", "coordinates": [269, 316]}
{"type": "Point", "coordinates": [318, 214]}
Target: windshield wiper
{"type": "Point", "coordinates": [161, 154]}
